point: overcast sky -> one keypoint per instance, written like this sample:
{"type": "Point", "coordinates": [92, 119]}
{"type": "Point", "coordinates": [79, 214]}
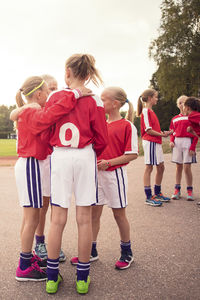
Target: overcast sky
{"type": "Point", "coordinates": [38, 36]}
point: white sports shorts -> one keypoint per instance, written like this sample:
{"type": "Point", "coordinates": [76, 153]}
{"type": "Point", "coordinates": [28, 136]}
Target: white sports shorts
{"type": "Point", "coordinates": [153, 153]}
{"type": "Point", "coordinates": [113, 188]}
{"type": "Point", "coordinates": [73, 170]}
{"type": "Point", "coordinates": [28, 181]}
{"type": "Point", "coordinates": [46, 180]}
{"type": "Point", "coordinates": [180, 154]}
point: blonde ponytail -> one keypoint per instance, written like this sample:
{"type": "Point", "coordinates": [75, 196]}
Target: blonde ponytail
{"type": "Point", "coordinates": [144, 98]}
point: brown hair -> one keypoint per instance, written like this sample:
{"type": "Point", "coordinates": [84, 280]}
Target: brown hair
{"type": "Point", "coordinates": [120, 95]}
{"type": "Point", "coordinates": [193, 103]}
{"type": "Point", "coordinates": [83, 65]}
{"type": "Point", "coordinates": [48, 78]}
{"type": "Point", "coordinates": [144, 98]}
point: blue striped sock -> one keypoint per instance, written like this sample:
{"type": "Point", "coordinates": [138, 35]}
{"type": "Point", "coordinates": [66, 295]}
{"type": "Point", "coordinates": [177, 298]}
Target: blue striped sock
{"type": "Point", "coordinates": [147, 190]}
{"type": "Point", "coordinates": [126, 247]}
{"type": "Point", "coordinates": [83, 270]}
{"type": "Point", "coordinates": [25, 260]}
{"type": "Point", "coordinates": [52, 269]}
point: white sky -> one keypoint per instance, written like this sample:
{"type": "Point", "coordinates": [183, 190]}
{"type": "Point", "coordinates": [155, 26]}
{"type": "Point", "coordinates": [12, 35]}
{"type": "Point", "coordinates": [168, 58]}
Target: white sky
{"type": "Point", "coordinates": [37, 37]}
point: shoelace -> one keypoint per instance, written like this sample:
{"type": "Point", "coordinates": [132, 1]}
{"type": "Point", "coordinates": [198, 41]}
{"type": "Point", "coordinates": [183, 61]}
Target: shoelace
{"type": "Point", "coordinates": [36, 267]}
{"type": "Point", "coordinates": [35, 257]}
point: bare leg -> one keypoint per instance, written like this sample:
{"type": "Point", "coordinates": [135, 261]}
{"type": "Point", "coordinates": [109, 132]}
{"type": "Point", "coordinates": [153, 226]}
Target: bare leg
{"type": "Point", "coordinates": [84, 223]}
{"type": "Point", "coordinates": [29, 225]}
{"type": "Point", "coordinates": [58, 221]}
{"type": "Point", "coordinates": [122, 222]}
{"type": "Point", "coordinates": [96, 215]}
{"type": "Point", "coordinates": [159, 173]}
{"type": "Point", "coordinates": [43, 211]}
{"type": "Point", "coordinates": [188, 174]}
{"type": "Point", "coordinates": [147, 175]}
{"type": "Point", "coordinates": [179, 170]}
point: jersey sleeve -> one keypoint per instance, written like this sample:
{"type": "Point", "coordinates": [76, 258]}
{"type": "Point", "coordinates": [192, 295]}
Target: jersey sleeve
{"type": "Point", "coordinates": [40, 119]}
{"type": "Point", "coordinates": [147, 121]}
{"type": "Point", "coordinates": [194, 143]}
{"type": "Point", "coordinates": [171, 127]}
{"type": "Point", "coordinates": [131, 139]}
{"type": "Point", "coordinates": [194, 119]}
{"type": "Point", "coordinates": [99, 127]}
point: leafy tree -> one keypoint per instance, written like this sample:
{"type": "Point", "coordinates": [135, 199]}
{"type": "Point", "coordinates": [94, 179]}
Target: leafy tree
{"type": "Point", "coordinates": [177, 53]}
{"type": "Point", "coordinates": [6, 125]}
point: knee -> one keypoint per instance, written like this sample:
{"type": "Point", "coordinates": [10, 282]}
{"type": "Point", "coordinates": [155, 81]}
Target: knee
{"type": "Point", "coordinates": [149, 169]}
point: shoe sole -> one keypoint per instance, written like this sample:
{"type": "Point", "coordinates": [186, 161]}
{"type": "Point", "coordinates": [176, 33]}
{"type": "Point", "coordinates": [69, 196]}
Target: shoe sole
{"type": "Point", "coordinates": [190, 199]}
{"type": "Point", "coordinates": [130, 262]}
{"type": "Point", "coordinates": [152, 204]}
{"type": "Point", "coordinates": [175, 198]}
{"type": "Point", "coordinates": [29, 279]}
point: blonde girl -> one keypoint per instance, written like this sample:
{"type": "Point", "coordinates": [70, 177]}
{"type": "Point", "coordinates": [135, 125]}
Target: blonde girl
{"type": "Point", "coordinates": [152, 144]}
{"type": "Point", "coordinates": [112, 176]}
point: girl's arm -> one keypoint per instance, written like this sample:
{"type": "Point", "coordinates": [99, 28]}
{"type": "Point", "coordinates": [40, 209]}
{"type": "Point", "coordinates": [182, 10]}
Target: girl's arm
{"type": "Point", "coordinates": [14, 115]}
{"type": "Point", "coordinates": [123, 159]}
{"type": "Point", "coordinates": [156, 133]}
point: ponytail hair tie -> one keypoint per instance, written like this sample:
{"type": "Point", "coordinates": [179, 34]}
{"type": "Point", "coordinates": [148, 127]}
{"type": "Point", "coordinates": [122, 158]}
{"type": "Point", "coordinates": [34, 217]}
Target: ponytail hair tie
{"type": "Point", "coordinates": [127, 101]}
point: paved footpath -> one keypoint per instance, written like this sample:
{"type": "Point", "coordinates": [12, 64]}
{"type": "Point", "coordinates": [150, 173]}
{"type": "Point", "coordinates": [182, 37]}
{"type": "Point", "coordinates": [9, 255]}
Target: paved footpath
{"type": "Point", "coordinates": [166, 244]}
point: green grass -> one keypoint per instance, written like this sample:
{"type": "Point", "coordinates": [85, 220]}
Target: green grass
{"type": "Point", "coordinates": [7, 147]}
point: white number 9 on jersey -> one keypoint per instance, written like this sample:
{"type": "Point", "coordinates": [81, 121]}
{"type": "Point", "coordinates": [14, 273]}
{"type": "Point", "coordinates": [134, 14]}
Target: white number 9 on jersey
{"type": "Point", "coordinates": [69, 135]}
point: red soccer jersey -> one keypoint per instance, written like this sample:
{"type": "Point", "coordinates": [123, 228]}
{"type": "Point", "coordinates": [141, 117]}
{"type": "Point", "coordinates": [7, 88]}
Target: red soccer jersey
{"type": "Point", "coordinates": [149, 120]}
{"type": "Point", "coordinates": [32, 121]}
{"type": "Point", "coordinates": [122, 139]}
{"type": "Point", "coordinates": [179, 125]}
{"type": "Point", "coordinates": [84, 125]}
{"type": "Point", "coordinates": [29, 144]}
{"type": "Point", "coordinates": [194, 119]}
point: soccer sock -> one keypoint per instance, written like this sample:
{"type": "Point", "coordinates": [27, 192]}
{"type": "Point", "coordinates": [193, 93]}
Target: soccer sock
{"type": "Point", "coordinates": [94, 245]}
{"type": "Point", "coordinates": [126, 247]}
{"type": "Point", "coordinates": [52, 269]}
{"type": "Point", "coordinates": [157, 189]}
{"type": "Point", "coordinates": [189, 188]}
{"type": "Point", "coordinates": [178, 187]}
{"type": "Point", "coordinates": [39, 239]}
{"type": "Point", "coordinates": [83, 270]}
{"type": "Point", "coordinates": [25, 260]}
{"type": "Point", "coordinates": [147, 190]}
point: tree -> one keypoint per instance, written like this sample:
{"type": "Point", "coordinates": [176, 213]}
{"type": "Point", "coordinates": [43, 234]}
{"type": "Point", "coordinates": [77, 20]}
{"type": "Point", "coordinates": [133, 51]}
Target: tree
{"type": "Point", "coordinates": [6, 125]}
{"type": "Point", "coordinates": [177, 51]}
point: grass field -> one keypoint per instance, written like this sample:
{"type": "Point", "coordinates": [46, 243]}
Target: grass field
{"type": "Point", "coordinates": [8, 147]}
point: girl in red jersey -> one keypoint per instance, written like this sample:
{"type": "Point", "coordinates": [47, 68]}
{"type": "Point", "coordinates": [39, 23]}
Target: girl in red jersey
{"type": "Point", "coordinates": [112, 177]}
{"type": "Point", "coordinates": [192, 109]}
{"type": "Point", "coordinates": [32, 150]}
{"type": "Point", "coordinates": [152, 145]}
{"type": "Point", "coordinates": [183, 144]}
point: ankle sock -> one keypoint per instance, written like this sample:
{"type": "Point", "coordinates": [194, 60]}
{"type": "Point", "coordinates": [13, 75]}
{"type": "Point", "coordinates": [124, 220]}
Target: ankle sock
{"type": "Point", "coordinates": [126, 247]}
{"type": "Point", "coordinates": [178, 187]}
{"type": "Point", "coordinates": [52, 269]}
{"type": "Point", "coordinates": [39, 239]}
{"type": "Point", "coordinates": [157, 189]}
{"type": "Point", "coordinates": [147, 190]}
{"type": "Point", "coordinates": [83, 270]}
{"type": "Point", "coordinates": [25, 260]}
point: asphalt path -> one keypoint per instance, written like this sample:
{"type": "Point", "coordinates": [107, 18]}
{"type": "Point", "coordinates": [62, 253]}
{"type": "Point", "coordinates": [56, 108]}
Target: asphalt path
{"type": "Point", "coordinates": [166, 245]}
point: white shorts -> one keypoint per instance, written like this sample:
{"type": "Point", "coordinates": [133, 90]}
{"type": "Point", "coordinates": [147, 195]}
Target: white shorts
{"type": "Point", "coordinates": [113, 188]}
{"type": "Point", "coordinates": [153, 153]}
{"type": "Point", "coordinates": [46, 180]}
{"type": "Point", "coordinates": [180, 154]}
{"type": "Point", "coordinates": [28, 181]}
{"type": "Point", "coordinates": [73, 170]}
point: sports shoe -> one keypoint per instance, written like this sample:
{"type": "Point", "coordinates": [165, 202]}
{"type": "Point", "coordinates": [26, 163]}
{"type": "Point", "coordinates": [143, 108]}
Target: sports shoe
{"type": "Point", "coordinates": [52, 286]}
{"type": "Point", "coordinates": [190, 196]}
{"type": "Point", "coordinates": [176, 195]}
{"type": "Point", "coordinates": [33, 273]}
{"type": "Point", "coordinates": [62, 256]}
{"type": "Point", "coordinates": [153, 201]}
{"type": "Point", "coordinates": [124, 262]}
{"type": "Point", "coordinates": [41, 250]}
{"type": "Point", "coordinates": [162, 198]}
{"type": "Point", "coordinates": [82, 286]}
{"type": "Point", "coordinates": [94, 256]}
{"type": "Point", "coordinates": [41, 263]}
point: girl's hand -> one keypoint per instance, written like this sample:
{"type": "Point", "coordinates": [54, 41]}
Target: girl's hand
{"type": "Point", "coordinates": [171, 144]}
{"type": "Point", "coordinates": [191, 152]}
{"type": "Point", "coordinates": [32, 105]}
{"type": "Point", "coordinates": [85, 91]}
{"type": "Point", "coordinates": [103, 165]}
